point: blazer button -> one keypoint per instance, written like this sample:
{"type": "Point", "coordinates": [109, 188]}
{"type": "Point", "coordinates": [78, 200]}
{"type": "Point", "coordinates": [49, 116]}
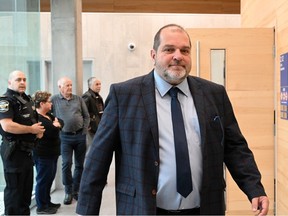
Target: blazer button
{"type": "Point", "coordinates": [156, 163]}
{"type": "Point", "coordinates": [154, 192]}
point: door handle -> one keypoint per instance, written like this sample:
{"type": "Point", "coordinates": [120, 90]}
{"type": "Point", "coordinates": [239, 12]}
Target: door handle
{"type": "Point", "coordinates": [198, 58]}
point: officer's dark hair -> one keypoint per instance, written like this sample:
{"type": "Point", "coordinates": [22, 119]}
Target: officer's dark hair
{"type": "Point", "coordinates": [40, 96]}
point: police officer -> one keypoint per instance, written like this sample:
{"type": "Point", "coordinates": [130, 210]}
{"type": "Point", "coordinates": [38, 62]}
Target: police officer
{"type": "Point", "coordinates": [20, 131]}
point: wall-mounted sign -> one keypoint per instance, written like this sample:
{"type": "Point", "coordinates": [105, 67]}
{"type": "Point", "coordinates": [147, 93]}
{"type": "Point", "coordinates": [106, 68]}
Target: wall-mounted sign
{"type": "Point", "coordinates": [284, 86]}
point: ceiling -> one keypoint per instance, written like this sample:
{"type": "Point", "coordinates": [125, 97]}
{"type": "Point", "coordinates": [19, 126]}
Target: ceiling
{"type": "Point", "coordinates": [156, 6]}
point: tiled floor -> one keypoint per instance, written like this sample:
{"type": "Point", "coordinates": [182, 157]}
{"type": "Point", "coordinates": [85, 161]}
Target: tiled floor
{"type": "Point", "coordinates": [107, 206]}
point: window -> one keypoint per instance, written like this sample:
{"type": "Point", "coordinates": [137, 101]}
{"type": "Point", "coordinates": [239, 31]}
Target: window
{"type": "Point", "coordinates": [19, 49]}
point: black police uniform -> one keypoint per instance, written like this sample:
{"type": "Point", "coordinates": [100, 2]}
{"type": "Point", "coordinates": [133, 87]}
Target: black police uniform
{"type": "Point", "coordinates": [16, 153]}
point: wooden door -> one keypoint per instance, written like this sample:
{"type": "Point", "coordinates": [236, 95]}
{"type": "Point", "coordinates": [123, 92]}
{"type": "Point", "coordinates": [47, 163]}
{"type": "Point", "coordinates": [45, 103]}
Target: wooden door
{"type": "Point", "coordinates": [249, 81]}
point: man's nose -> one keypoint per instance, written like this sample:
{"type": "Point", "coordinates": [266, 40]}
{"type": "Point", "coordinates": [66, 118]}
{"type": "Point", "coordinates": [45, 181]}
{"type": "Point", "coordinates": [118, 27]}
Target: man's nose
{"type": "Point", "coordinates": [178, 56]}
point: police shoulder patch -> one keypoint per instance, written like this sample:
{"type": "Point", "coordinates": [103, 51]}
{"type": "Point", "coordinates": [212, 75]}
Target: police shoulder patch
{"type": "Point", "coordinates": [4, 106]}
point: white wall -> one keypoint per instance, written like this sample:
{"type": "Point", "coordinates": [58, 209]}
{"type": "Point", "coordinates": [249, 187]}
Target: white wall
{"type": "Point", "coordinates": [106, 37]}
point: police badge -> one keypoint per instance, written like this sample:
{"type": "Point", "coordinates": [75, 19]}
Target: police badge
{"type": "Point", "coordinates": [4, 106]}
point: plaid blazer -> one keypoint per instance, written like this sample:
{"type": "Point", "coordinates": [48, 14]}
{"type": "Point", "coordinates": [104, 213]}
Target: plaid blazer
{"type": "Point", "coordinates": [129, 129]}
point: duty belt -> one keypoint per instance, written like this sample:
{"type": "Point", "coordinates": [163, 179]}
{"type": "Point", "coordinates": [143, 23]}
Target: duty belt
{"type": "Point", "coordinates": [25, 146]}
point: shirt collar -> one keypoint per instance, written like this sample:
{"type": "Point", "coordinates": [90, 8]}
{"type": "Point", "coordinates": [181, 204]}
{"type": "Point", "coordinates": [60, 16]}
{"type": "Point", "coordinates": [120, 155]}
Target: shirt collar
{"type": "Point", "coordinates": [163, 87]}
{"type": "Point", "coordinates": [62, 97]}
{"type": "Point", "coordinates": [93, 92]}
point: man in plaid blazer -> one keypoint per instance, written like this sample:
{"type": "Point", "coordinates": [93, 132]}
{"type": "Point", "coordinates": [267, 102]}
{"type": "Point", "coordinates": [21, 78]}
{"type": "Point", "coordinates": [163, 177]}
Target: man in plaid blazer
{"type": "Point", "coordinates": [136, 127]}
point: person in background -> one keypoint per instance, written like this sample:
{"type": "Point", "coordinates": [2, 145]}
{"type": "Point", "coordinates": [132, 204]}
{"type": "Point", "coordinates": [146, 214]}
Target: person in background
{"type": "Point", "coordinates": [46, 153]}
{"type": "Point", "coordinates": [20, 131]}
{"type": "Point", "coordinates": [140, 126]}
{"type": "Point", "coordinates": [73, 111]}
{"type": "Point", "coordinates": [95, 106]}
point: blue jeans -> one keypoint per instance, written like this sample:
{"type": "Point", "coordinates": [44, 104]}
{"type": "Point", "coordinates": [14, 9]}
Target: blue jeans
{"type": "Point", "coordinates": [70, 143]}
{"type": "Point", "coordinates": [46, 170]}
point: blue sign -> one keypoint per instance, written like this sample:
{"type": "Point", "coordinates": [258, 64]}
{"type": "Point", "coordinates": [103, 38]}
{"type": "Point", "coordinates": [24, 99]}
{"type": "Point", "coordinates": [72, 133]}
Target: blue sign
{"type": "Point", "coordinates": [284, 86]}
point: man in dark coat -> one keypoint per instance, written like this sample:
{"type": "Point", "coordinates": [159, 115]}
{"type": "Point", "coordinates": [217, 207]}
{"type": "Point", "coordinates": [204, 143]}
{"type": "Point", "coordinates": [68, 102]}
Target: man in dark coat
{"type": "Point", "coordinates": [95, 106]}
{"type": "Point", "coordinates": [137, 126]}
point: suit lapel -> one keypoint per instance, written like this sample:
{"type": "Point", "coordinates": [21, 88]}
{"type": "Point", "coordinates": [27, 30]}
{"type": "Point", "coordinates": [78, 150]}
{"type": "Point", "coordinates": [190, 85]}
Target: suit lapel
{"type": "Point", "coordinates": [198, 98]}
{"type": "Point", "coordinates": [149, 100]}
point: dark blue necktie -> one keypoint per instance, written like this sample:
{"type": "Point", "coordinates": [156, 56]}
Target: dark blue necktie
{"type": "Point", "coordinates": [184, 180]}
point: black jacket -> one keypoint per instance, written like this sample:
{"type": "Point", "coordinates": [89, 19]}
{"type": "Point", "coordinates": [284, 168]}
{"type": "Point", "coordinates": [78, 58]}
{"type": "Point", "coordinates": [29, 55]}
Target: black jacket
{"type": "Point", "coordinates": [95, 105]}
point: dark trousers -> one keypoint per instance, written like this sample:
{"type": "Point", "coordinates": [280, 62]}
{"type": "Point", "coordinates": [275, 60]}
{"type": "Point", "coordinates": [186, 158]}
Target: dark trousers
{"type": "Point", "coordinates": [46, 170]}
{"type": "Point", "coordinates": [72, 144]}
{"type": "Point", "coordinates": [18, 173]}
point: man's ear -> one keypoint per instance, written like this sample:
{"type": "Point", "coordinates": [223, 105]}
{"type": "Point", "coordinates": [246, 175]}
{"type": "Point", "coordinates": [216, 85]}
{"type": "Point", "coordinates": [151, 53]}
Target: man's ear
{"type": "Point", "coordinates": [153, 54]}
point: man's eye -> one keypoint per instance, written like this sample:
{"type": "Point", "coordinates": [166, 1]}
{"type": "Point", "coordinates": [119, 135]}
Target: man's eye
{"type": "Point", "coordinates": [169, 50]}
{"type": "Point", "coordinates": [19, 80]}
{"type": "Point", "coordinates": [186, 52]}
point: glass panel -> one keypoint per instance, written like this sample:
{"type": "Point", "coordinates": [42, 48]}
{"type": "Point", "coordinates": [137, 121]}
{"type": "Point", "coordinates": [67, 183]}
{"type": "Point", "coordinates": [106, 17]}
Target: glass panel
{"type": "Point", "coordinates": [7, 5]}
{"type": "Point", "coordinates": [19, 49]}
{"type": "Point", "coordinates": [87, 73]}
{"type": "Point", "coordinates": [218, 65]}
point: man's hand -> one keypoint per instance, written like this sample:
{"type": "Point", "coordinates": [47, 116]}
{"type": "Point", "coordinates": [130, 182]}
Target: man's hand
{"type": "Point", "coordinates": [260, 204]}
{"type": "Point", "coordinates": [39, 136]}
{"type": "Point", "coordinates": [37, 128]}
{"type": "Point", "coordinates": [8, 125]}
{"type": "Point", "coordinates": [56, 123]}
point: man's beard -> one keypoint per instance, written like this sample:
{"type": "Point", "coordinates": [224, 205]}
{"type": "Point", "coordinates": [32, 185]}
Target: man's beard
{"type": "Point", "coordinates": [175, 77]}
